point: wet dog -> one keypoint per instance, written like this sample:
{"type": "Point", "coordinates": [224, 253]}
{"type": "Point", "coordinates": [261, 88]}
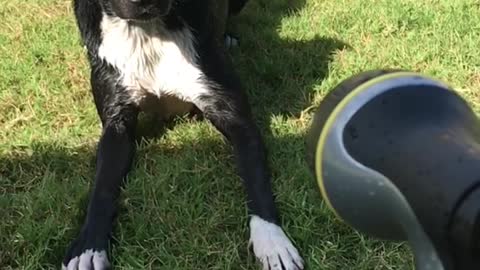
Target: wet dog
{"type": "Point", "coordinates": [174, 53]}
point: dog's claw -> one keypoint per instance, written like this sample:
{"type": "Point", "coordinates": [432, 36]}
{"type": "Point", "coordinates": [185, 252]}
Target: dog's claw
{"type": "Point", "coordinates": [230, 41]}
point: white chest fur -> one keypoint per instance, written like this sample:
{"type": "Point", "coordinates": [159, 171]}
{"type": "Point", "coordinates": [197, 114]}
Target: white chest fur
{"type": "Point", "coordinates": [152, 60]}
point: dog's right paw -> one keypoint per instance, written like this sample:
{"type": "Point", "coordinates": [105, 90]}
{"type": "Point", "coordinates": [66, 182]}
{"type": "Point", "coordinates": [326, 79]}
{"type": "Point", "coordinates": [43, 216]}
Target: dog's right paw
{"type": "Point", "coordinates": [85, 254]}
{"type": "Point", "coordinates": [88, 260]}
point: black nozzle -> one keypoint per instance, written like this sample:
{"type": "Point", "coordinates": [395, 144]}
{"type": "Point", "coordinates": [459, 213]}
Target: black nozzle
{"type": "Point", "coordinates": [406, 165]}
{"type": "Point", "coordinates": [426, 141]}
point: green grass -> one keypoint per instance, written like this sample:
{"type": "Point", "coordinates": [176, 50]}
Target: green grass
{"type": "Point", "coordinates": [183, 207]}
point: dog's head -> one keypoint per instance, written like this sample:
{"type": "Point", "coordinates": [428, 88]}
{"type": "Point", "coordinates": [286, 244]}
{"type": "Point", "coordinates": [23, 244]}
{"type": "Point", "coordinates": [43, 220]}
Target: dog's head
{"type": "Point", "coordinates": [137, 9]}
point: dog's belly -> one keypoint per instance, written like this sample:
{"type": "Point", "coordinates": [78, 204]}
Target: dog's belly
{"type": "Point", "coordinates": [154, 62]}
{"type": "Point", "coordinates": [166, 106]}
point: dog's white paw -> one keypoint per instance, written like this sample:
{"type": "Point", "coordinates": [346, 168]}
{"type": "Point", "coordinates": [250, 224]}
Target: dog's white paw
{"type": "Point", "coordinates": [88, 260]}
{"type": "Point", "coordinates": [272, 247]}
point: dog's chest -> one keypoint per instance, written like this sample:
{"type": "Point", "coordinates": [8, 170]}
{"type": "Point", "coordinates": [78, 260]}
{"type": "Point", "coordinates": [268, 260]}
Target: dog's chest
{"type": "Point", "coordinates": [151, 60]}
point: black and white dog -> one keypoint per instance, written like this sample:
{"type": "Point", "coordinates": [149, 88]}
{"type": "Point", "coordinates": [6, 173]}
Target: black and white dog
{"type": "Point", "coordinates": [172, 52]}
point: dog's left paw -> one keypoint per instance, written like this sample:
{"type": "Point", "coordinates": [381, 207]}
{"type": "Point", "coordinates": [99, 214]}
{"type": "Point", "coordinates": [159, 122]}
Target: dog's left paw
{"type": "Point", "coordinates": [272, 247]}
{"type": "Point", "coordinates": [87, 252]}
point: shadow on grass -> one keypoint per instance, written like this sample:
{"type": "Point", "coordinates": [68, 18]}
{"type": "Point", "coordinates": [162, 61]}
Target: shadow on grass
{"type": "Point", "coordinates": [44, 194]}
{"type": "Point", "coordinates": [44, 190]}
{"type": "Point", "coordinates": [183, 204]}
{"type": "Point", "coordinates": [279, 72]}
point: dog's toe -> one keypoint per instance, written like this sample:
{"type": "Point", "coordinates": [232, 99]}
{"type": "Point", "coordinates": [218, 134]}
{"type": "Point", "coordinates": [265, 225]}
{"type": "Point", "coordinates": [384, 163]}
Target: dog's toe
{"type": "Point", "coordinates": [272, 247]}
{"type": "Point", "coordinates": [72, 264]}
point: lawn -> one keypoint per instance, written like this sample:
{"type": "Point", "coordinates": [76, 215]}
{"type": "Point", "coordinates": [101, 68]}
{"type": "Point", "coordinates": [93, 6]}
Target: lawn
{"type": "Point", "coordinates": [183, 206]}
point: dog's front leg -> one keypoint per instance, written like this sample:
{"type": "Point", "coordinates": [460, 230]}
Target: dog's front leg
{"type": "Point", "coordinates": [114, 158]}
{"type": "Point", "coordinates": [226, 106]}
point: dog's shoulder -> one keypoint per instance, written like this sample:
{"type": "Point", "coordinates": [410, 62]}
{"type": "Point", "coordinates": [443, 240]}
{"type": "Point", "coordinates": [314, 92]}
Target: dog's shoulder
{"type": "Point", "coordinates": [207, 18]}
{"type": "Point", "coordinates": [88, 16]}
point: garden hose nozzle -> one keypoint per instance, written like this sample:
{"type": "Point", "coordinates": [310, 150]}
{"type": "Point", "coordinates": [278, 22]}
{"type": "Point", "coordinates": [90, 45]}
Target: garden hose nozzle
{"type": "Point", "coordinates": [397, 156]}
